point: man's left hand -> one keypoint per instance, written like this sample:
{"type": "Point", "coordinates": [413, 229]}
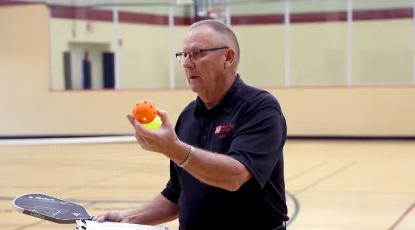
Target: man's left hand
{"type": "Point", "coordinates": [164, 140]}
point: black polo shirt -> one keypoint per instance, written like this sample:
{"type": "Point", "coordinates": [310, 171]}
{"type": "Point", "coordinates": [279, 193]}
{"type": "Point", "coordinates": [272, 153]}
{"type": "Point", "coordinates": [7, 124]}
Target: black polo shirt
{"type": "Point", "coordinates": [249, 126]}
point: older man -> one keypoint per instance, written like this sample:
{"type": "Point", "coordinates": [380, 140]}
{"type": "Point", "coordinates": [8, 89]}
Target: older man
{"type": "Point", "coordinates": [226, 150]}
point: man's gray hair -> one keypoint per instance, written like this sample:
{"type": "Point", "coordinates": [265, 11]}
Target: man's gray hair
{"type": "Point", "coordinates": [221, 28]}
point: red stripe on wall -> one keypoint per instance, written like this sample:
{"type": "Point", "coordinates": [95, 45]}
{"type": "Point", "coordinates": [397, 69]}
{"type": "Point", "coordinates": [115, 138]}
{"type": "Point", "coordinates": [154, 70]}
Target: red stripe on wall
{"type": "Point", "coordinates": [257, 19]}
{"type": "Point", "coordinates": [399, 13]}
{"type": "Point", "coordinates": [67, 12]}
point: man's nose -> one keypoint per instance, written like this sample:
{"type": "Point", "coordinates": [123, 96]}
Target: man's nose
{"type": "Point", "coordinates": [187, 62]}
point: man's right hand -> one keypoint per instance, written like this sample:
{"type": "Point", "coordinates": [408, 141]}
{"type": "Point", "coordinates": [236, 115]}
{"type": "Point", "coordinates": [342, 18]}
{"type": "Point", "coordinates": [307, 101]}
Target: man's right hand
{"type": "Point", "coordinates": [157, 211]}
{"type": "Point", "coordinates": [112, 217]}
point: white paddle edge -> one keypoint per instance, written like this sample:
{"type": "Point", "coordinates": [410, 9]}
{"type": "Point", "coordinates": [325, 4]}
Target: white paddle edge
{"type": "Point", "coordinates": [15, 207]}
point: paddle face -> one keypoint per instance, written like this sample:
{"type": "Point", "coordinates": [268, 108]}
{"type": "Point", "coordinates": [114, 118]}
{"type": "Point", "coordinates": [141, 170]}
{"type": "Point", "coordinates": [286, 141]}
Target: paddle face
{"type": "Point", "coordinates": [50, 208]}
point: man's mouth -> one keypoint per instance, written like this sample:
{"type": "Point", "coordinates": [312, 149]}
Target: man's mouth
{"type": "Point", "coordinates": [193, 77]}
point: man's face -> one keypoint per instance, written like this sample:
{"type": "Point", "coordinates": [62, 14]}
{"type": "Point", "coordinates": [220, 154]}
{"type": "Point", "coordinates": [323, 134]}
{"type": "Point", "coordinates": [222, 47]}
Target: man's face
{"type": "Point", "coordinates": [205, 71]}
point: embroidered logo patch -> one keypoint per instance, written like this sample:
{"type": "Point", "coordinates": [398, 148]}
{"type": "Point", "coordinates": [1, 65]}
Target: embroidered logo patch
{"type": "Point", "coordinates": [224, 128]}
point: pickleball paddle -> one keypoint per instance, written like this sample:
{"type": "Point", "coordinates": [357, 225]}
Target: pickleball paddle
{"type": "Point", "coordinates": [64, 212]}
{"type": "Point", "coordinates": [50, 208]}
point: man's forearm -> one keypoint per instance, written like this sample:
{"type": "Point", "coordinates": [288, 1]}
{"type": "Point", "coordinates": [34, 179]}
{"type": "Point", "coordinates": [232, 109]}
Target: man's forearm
{"type": "Point", "coordinates": [159, 210]}
{"type": "Point", "coordinates": [214, 169]}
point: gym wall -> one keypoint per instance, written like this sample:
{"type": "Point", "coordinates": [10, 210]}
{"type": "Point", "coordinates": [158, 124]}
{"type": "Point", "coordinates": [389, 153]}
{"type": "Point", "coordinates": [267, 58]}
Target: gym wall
{"type": "Point", "coordinates": [31, 108]}
{"type": "Point", "coordinates": [318, 43]}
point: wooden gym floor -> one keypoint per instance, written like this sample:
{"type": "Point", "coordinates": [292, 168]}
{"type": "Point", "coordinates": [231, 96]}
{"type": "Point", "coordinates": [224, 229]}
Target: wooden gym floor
{"type": "Point", "coordinates": [331, 185]}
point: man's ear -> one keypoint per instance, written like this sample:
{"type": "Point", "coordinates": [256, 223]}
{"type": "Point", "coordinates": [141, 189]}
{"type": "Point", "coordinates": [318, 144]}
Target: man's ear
{"type": "Point", "coordinates": [230, 58]}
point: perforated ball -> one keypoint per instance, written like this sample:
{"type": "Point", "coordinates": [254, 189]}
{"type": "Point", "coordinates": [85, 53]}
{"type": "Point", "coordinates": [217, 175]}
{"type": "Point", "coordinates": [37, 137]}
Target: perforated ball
{"type": "Point", "coordinates": [145, 111]}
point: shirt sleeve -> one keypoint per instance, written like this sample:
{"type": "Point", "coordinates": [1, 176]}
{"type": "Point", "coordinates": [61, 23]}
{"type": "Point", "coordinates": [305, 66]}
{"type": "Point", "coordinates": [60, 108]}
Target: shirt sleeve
{"type": "Point", "coordinates": [173, 189]}
{"type": "Point", "coordinates": [258, 141]}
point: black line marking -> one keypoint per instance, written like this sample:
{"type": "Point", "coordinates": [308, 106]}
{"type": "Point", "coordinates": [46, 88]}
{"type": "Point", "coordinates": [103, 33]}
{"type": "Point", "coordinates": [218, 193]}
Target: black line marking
{"type": "Point", "coordinates": [29, 225]}
{"type": "Point", "coordinates": [307, 171]}
{"type": "Point", "coordinates": [368, 192]}
{"type": "Point", "coordinates": [89, 183]}
{"type": "Point", "coordinates": [325, 178]}
{"type": "Point", "coordinates": [296, 208]}
{"type": "Point", "coordinates": [7, 210]}
{"type": "Point", "coordinates": [402, 217]}
{"type": "Point", "coordinates": [125, 187]}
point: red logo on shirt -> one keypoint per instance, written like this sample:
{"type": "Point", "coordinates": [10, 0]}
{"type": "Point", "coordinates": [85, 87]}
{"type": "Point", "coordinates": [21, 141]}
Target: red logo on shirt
{"type": "Point", "coordinates": [224, 128]}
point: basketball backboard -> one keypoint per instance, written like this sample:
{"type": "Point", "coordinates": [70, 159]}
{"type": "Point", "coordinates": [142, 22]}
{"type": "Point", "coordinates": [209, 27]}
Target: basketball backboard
{"type": "Point", "coordinates": [218, 14]}
{"type": "Point", "coordinates": [184, 2]}
{"type": "Point", "coordinates": [211, 9]}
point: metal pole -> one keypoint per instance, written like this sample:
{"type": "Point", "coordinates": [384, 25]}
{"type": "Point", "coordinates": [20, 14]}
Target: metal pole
{"type": "Point", "coordinates": [116, 47]}
{"type": "Point", "coordinates": [287, 24]}
{"type": "Point", "coordinates": [349, 41]}
{"type": "Point", "coordinates": [51, 86]}
{"type": "Point", "coordinates": [228, 13]}
{"type": "Point", "coordinates": [172, 47]}
{"type": "Point", "coordinates": [413, 44]}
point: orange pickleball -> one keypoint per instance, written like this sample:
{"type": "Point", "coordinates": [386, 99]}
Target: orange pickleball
{"type": "Point", "coordinates": [145, 111]}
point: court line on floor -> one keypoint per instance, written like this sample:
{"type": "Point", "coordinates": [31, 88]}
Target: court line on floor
{"type": "Point", "coordinates": [296, 208]}
{"type": "Point", "coordinates": [366, 192]}
{"type": "Point", "coordinates": [36, 223]}
{"type": "Point", "coordinates": [29, 225]}
{"type": "Point", "coordinates": [99, 180]}
{"type": "Point", "coordinates": [75, 187]}
{"type": "Point", "coordinates": [325, 177]}
{"type": "Point", "coordinates": [293, 197]}
{"type": "Point", "coordinates": [3, 198]}
{"type": "Point", "coordinates": [401, 217]}
{"type": "Point", "coordinates": [69, 140]}
{"type": "Point", "coordinates": [89, 183]}
{"type": "Point", "coordinates": [307, 171]}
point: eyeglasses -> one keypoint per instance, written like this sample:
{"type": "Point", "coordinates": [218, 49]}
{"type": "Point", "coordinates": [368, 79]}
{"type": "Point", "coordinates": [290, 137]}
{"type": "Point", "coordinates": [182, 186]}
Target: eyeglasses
{"type": "Point", "coordinates": [195, 53]}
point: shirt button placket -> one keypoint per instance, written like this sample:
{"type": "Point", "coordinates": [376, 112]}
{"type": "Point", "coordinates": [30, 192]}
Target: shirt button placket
{"type": "Point", "coordinates": [205, 131]}
{"type": "Point", "coordinates": [204, 137]}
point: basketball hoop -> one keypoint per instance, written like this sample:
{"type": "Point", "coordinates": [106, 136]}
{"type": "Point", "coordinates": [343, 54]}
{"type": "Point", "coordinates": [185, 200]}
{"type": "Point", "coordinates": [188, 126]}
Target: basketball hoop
{"type": "Point", "coordinates": [218, 14]}
{"type": "Point", "coordinates": [184, 2]}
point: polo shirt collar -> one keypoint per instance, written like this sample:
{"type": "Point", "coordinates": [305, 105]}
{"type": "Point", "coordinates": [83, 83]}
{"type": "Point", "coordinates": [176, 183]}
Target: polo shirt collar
{"type": "Point", "coordinates": [224, 105]}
